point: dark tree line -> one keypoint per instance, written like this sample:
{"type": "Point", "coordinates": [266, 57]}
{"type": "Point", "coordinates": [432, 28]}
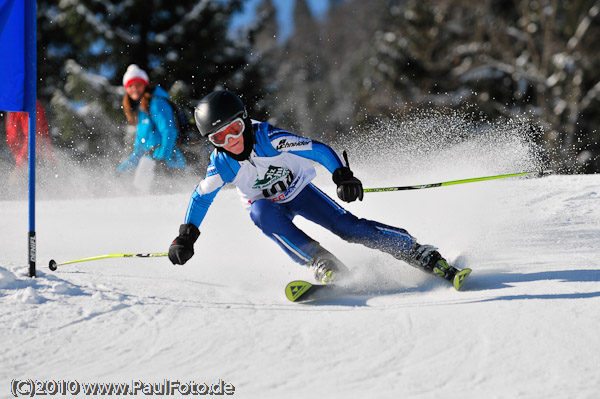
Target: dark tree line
{"type": "Point", "coordinates": [85, 47]}
{"type": "Point", "coordinates": [364, 61]}
{"type": "Point", "coordinates": [517, 59]}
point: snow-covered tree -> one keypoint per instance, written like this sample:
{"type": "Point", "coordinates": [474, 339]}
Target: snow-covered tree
{"type": "Point", "coordinates": [186, 41]}
{"type": "Point", "coordinates": [318, 79]}
{"type": "Point", "coordinates": [509, 57]}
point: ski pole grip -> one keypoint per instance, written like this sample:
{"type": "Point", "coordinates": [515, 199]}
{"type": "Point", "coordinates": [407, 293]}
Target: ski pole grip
{"type": "Point", "coordinates": [345, 155]}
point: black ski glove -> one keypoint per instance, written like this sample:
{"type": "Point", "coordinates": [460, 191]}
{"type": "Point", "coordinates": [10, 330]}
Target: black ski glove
{"type": "Point", "coordinates": [182, 247]}
{"type": "Point", "coordinates": [349, 188]}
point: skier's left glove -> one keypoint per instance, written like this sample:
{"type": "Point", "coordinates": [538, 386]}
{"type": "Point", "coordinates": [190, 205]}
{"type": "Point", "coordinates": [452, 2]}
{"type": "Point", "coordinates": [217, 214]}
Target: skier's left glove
{"type": "Point", "coordinates": [182, 247]}
{"type": "Point", "coordinates": [159, 153]}
{"type": "Point", "coordinates": [349, 188]}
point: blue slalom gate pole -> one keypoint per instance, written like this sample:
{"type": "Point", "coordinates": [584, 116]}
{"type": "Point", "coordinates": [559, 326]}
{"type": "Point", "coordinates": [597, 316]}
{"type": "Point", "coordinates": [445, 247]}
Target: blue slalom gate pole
{"type": "Point", "coordinates": [30, 107]}
{"type": "Point", "coordinates": [31, 235]}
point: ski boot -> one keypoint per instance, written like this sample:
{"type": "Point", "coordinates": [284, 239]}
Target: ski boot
{"type": "Point", "coordinates": [427, 258]}
{"type": "Point", "coordinates": [327, 268]}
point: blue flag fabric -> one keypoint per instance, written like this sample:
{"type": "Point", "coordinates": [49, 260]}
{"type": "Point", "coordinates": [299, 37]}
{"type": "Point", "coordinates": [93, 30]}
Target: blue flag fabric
{"type": "Point", "coordinates": [13, 55]}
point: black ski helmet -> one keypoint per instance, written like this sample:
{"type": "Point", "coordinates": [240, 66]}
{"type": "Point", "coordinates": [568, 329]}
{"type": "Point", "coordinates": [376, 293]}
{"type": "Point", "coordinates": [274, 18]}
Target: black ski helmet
{"type": "Point", "coordinates": [218, 109]}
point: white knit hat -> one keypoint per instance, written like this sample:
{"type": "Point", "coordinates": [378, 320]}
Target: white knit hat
{"type": "Point", "coordinates": [135, 74]}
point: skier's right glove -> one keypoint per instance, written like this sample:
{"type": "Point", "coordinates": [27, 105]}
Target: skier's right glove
{"type": "Point", "coordinates": [349, 188]}
{"type": "Point", "coordinates": [182, 247]}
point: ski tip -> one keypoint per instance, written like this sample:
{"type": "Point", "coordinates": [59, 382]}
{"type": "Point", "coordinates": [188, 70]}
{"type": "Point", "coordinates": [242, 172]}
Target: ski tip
{"type": "Point", "coordinates": [460, 277]}
{"type": "Point", "coordinates": [296, 289]}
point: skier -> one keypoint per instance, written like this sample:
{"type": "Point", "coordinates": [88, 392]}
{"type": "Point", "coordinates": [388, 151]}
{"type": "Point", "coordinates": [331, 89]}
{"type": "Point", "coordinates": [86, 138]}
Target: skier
{"type": "Point", "coordinates": [147, 108]}
{"type": "Point", "coordinates": [272, 170]}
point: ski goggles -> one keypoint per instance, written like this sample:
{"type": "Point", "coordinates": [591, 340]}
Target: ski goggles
{"type": "Point", "coordinates": [233, 130]}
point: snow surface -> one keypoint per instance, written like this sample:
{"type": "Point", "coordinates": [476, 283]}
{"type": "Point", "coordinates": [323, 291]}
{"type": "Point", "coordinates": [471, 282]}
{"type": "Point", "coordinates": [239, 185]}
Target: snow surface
{"type": "Point", "coordinates": [526, 325]}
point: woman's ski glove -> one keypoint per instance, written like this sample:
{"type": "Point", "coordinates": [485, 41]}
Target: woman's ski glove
{"type": "Point", "coordinates": [182, 247]}
{"type": "Point", "coordinates": [159, 153]}
{"type": "Point", "coordinates": [349, 188]}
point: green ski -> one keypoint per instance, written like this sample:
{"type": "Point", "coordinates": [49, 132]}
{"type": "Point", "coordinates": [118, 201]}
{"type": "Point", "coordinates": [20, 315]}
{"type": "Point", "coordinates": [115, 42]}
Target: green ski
{"type": "Point", "coordinates": [303, 291]}
{"type": "Point", "coordinates": [460, 277]}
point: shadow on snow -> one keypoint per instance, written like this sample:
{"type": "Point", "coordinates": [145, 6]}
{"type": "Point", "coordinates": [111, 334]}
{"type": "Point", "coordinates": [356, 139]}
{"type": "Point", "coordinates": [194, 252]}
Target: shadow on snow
{"type": "Point", "coordinates": [357, 297]}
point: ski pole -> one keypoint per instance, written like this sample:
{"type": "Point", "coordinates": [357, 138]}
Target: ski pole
{"type": "Point", "coordinates": [450, 183]}
{"type": "Point", "coordinates": [53, 265]}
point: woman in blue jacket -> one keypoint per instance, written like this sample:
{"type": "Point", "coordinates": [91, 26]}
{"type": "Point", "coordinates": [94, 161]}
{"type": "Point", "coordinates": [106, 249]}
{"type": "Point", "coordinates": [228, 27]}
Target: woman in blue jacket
{"type": "Point", "coordinates": [150, 112]}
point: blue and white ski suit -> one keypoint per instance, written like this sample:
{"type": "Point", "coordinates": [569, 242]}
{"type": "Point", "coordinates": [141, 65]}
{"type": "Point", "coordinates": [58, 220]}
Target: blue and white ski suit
{"type": "Point", "coordinates": [275, 181]}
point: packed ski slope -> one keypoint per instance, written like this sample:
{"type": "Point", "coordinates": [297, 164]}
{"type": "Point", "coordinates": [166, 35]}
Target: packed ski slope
{"type": "Point", "coordinates": [526, 325]}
